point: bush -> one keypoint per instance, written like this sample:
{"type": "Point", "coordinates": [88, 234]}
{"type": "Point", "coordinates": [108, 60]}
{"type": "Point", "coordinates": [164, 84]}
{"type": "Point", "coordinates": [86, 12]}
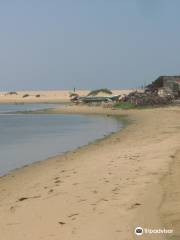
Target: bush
{"type": "Point", "coordinates": [25, 95]}
{"type": "Point", "coordinates": [12, 93]}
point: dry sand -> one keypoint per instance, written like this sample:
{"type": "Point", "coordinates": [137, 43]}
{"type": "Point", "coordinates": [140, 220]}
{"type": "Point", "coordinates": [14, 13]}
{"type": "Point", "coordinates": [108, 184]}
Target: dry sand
{"type": "Point", "coordinates": [101, 191]}
{"type": "Point", "coordinates": [46, 96]}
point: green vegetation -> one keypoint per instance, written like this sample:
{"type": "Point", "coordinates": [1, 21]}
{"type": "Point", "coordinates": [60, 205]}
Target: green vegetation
{"type": "Point", "coordinates": [95, 92]}
{"type": "Point", "coordinates": [128, 105]}
{"type": "Point", "coordinates": [12, 93]}
{"type": "Point", "coordinates": [25, 95]}
{"type": "Point", "coordinates": [125, 105]}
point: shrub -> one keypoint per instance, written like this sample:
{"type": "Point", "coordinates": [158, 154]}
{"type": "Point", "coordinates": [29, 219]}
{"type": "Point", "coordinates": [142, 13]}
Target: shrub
{"type": "Point", "coordinates": [12, 93]}
{"type": "Point", "coordinates": [25, 95]}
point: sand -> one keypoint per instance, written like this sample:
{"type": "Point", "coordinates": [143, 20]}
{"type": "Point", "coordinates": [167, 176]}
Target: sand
{"type": "Point", "coordinates": [103, 190]}
{"type": "Point", "coordinates": [54, 96]}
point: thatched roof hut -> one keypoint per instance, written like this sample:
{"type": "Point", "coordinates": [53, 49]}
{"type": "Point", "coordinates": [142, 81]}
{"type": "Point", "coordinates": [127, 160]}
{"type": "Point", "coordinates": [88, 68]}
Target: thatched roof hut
{"type": "Point", "coordinates": [103, 92]}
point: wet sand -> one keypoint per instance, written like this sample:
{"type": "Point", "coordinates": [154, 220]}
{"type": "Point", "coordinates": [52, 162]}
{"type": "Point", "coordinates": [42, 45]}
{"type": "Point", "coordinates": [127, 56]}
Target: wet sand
{"type": "Point", "coordinates": [100, 191]}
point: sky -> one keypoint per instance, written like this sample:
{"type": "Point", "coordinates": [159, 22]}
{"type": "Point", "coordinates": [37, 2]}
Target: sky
{"type": "Point", "coordinates": [87, 44]}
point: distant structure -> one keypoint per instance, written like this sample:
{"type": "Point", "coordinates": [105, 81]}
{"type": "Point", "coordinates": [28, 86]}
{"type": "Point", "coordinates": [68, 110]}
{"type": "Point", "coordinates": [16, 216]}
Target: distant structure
{"type": "Point", "coordinates": [96, 96]}
{"type": "Point", "coordinates": [165, 85]}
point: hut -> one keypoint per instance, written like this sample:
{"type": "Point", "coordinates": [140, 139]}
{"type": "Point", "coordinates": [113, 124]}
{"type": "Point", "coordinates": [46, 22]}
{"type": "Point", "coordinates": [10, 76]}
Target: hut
{"type": "Point", "coordinates": [100, 96]}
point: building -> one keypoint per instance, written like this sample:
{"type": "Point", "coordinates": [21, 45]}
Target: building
{"type": "Point", "coordinates": [166, 85]}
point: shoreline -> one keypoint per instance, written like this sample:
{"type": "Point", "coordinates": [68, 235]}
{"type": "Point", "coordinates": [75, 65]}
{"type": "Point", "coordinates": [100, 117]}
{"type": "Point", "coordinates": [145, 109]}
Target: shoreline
{"type": "Point", "coordinates": [107, 195]}
{"type": "Point", "coordinates": [123, 122]}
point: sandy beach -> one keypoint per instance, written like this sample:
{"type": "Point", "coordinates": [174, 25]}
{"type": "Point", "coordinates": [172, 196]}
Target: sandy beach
{"type": "Point", "coordinates": [103, 190]}
{"type": "Point", "coordinates": [54, 96]}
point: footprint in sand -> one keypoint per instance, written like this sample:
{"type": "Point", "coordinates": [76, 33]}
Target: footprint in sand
{"type": "Point", "coordinates": [106, 181]}
{"type": "Point", "coordinates": [50, 191]}
{"type": "Point", "coordinates": [22, 199]}
{"type": "Point", "coordinates": [13, 208]}
{"type": "Point", "coordinates": [135, 205]}
{"type": "Point", "coordinates": [62, 223]}
{"type": "Point", "coordinates": [67, 176]}
{"type": "Point", "coordinates": [73, 215]}
{"type": "Point", "coordinates": [56, 178]}
{"type": "Point", "coordinates": [95, 191]}
{"type": "Point", "coordinates": [26, 198]}
{"type": "Point", "coordinates": [115, 189]}
{"type": "Point", "coordinates": [74, 184]}
{"type": "Point", "coordinates": [58, 181]}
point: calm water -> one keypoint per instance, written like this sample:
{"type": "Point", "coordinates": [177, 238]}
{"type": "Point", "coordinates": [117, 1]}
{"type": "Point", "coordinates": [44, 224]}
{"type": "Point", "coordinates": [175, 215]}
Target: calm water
{"type": "Point", "coordinates": [26, 138]}
{"type": "Point", "coordinates": [5, 108]}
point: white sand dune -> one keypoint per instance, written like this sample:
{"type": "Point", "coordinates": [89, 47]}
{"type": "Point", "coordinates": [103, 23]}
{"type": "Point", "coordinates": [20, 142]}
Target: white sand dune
{"type": "Point", "coordinates": [45, 96]}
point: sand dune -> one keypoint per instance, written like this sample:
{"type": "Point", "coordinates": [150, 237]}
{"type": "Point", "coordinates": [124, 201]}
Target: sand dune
{"type": "Point", "coordinates": [101, 191]}
{"type": "Point", "coordinates": [45, 96]}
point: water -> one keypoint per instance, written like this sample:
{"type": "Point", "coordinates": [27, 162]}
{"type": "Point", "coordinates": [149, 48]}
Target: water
{"type": "Point", "coordinates": [7, 108]}
{"type": "Point", "coordinates": [26, 138]}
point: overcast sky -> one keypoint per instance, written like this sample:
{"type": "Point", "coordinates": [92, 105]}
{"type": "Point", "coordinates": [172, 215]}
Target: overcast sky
{"type": "Point", "coordinates": [61, 44]}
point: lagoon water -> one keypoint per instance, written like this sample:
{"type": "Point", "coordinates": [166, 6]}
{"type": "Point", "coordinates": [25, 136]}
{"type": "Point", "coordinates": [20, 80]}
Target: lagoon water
{"type": "Point", "coordinates": [8, 108]}
{"type": "Point", "coordinates": [26, 138]}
